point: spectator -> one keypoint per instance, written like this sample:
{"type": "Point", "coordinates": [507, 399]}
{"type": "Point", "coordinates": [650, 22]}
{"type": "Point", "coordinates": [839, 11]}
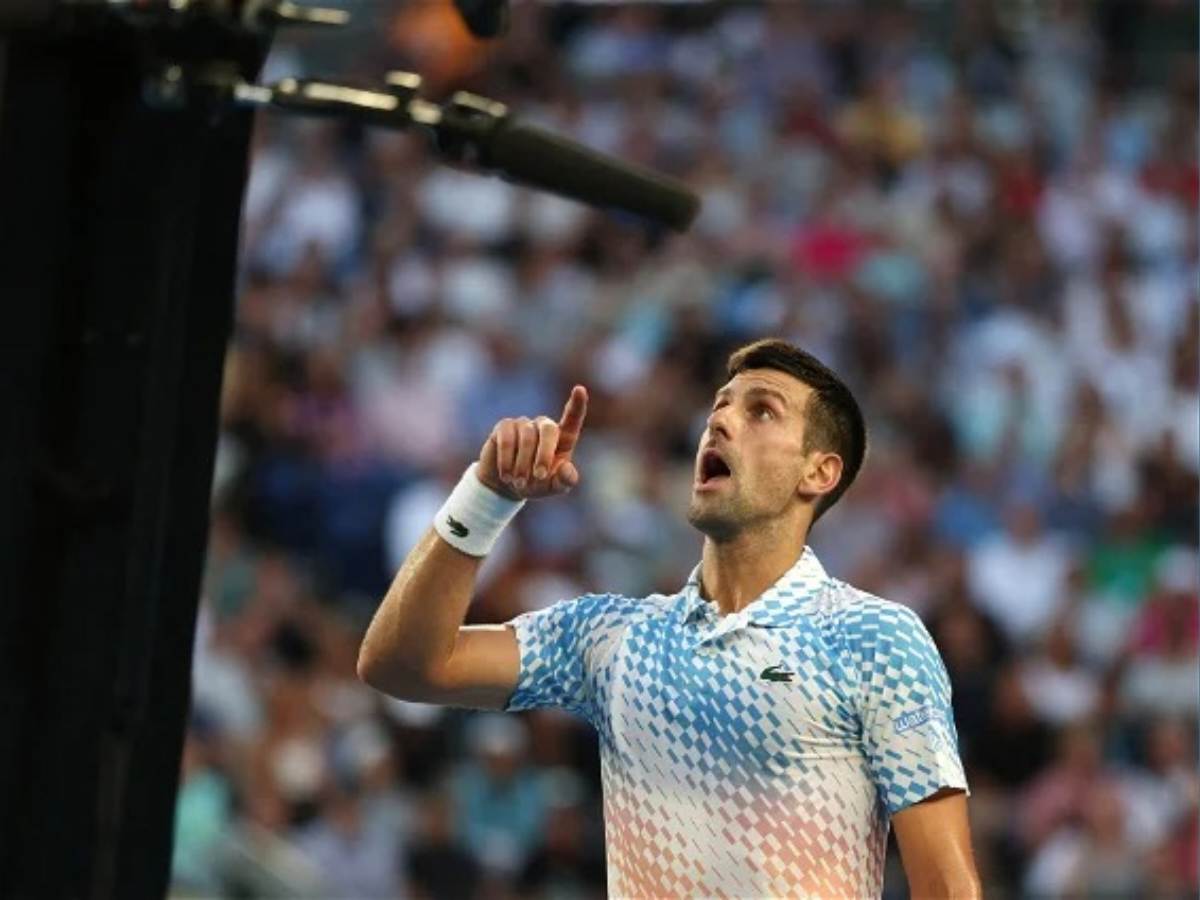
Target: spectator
{"type": "Point", "coordinates": [500, 803]}
{"type": "Point", "coordinates": [1160, 677]}
{"type": "Point", "coordinates": [356, 856]}
{"type": "Point", "coordinates": [1019, 575]}
{"type": "Point", "coordinates": [568, 864]}
{"type": "Point", "coordinates": [1059, 796]}
{"type": "Point", "coordinates": [439, 865]}
{"type": "Point", "coordinates": [1164, 793]}
{"type": "Point", "coordinates": [1094, 860]}
{"type": "Point", "coordinates": [1060, 689]}
{"type": "Point", "coordinates": [203, 811]}
{"type": "Point", "coordinates": [1015, 744]}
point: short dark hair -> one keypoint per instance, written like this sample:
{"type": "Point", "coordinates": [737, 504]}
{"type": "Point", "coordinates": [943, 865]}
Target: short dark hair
{"type": "Point", "coordinates": [832, 416]}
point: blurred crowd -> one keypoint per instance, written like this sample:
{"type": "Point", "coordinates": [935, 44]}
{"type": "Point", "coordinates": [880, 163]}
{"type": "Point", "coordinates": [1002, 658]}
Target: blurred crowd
{"type": "Point", "coordinates": [984, 215]}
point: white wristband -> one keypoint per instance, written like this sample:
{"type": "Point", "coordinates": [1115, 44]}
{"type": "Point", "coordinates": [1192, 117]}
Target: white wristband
{"type": "Point", "coordinates": [473, 515]}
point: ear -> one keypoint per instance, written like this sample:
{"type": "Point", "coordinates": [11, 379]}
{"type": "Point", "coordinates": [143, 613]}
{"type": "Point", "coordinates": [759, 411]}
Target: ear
{"type": "Point", "coordinates": [821, 473]}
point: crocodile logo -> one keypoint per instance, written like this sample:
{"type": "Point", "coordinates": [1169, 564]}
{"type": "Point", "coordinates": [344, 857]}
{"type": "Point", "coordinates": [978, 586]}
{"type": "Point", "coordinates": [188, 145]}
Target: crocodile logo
{"type": "Point", "coordinates": [776, 673]}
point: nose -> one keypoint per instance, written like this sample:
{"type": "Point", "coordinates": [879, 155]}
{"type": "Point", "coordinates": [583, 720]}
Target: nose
{"type": "Point", "coordinates": [718, 422]}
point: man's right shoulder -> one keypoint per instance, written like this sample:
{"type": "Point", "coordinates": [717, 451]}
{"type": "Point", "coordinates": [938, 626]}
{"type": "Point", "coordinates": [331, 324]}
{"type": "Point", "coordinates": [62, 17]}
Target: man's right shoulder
{"type": "Point", "coordinates": [592, 625]}
{"type": "Point", "coordinates": [596, 616]}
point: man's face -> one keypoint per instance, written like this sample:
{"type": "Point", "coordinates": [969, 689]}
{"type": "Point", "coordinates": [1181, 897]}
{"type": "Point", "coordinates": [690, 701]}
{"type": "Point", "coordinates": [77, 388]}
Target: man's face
{"type": "Point", "coordinates": [751, 457]}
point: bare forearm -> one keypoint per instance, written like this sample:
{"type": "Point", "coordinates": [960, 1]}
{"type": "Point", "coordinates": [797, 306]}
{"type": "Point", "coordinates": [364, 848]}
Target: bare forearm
{"type": "Point", "coordinates": [935, 845]}
{"type": "Point", "coordinates": [412, 636]}
{"type": "Point", "coordinates": [961, 884]}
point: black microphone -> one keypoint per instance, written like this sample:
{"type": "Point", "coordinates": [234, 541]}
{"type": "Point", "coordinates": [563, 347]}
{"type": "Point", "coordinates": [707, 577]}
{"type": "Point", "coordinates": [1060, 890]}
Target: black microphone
{"type": "Point", "coordinates": [541, 159]}
{"type": "Point", "coordinates": [484, 18]}
{"type": "Point", "coordinates": [476, 132]}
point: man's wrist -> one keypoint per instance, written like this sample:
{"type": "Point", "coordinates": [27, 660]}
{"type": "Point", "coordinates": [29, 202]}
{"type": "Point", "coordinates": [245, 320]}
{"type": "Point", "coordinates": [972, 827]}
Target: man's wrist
{"type": "Point", "coordinates": [475, 514]}
{"type": "Point", "coordinates": [494, 486]}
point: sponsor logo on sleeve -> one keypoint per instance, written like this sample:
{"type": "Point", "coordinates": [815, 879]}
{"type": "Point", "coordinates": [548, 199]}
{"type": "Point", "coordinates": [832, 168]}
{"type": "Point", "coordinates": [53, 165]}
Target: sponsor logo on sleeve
{"type": "Point", "coordinates": [914, 718]}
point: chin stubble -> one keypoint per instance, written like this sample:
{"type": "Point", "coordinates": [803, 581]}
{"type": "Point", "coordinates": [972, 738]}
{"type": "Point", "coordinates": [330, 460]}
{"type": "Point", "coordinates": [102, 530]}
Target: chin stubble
{"type": "Point", "coordinates": [717, 520]}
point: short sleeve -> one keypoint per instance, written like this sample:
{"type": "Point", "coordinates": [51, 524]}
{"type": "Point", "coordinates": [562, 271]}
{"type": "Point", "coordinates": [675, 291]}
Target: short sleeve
{"type": "Point", "coordinates": [908, 728]}
{"type": "Point", "coordinates": [561, 647]}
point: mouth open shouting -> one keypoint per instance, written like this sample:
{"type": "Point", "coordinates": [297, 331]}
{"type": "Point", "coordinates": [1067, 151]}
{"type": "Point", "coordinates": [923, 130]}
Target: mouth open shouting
{"type": "Point", "coordinates": [712, 471]}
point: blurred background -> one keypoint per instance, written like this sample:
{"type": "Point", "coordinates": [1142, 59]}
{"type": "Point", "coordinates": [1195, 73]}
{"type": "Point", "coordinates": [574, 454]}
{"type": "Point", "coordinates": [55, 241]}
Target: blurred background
{"type": "Point", "coordinates": [983, 214]}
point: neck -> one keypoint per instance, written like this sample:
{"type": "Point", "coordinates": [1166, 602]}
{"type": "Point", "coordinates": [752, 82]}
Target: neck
{"type": "Point", "coordinates": [737, 571]}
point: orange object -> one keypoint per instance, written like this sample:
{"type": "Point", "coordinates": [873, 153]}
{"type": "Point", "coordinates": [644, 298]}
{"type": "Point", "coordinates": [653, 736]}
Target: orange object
{"type": "Point", "coordinates": [432, 34]}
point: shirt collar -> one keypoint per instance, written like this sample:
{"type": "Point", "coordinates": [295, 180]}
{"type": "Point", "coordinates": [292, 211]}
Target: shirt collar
{"type": "Point", "coordinates": [778, 605]}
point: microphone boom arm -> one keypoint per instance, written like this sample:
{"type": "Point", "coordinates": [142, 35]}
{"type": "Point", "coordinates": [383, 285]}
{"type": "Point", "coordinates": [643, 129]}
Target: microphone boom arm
{"type": "Point", "coordinates": [478, 133]}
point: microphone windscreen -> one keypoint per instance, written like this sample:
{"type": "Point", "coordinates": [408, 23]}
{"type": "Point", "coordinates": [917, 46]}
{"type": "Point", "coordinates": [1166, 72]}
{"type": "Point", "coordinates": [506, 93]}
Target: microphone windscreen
{"type": "Point", "coordinates": [533, 156]}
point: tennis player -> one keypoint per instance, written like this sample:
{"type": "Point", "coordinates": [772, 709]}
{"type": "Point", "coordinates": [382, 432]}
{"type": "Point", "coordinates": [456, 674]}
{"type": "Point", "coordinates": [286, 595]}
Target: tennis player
{"type": "Point", "coordinates": [761, 728]}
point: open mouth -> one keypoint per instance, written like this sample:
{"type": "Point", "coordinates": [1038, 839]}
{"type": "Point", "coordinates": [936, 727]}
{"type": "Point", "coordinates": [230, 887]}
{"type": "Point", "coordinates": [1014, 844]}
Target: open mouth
{"type": "Point", "coordinates": [713, 468]}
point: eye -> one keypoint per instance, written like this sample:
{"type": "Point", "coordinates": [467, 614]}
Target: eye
{"type": "Point", "coordinates": [763, 413]}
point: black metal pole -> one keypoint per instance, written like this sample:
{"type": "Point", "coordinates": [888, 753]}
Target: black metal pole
{"type": "Point", "coordinates": [118, 234]}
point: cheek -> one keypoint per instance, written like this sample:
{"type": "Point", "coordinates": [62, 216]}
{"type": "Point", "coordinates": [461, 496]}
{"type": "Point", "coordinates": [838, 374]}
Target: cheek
{"type": "Point", "coordinates": [778, 468]}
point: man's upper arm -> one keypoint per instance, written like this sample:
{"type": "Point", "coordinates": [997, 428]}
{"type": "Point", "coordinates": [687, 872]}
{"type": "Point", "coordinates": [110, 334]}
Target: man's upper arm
{"type": "Point", "coordinates": [563, 648]}
{"type": "Point", "coordinates": [535, 660]}
{"type": "Point", "coordinates": [482, 670]}
{"type": "Point", "coordinates": [935, 846]}
{"type": "Point", "coordinates": [553, 645]}
{"type": "Point", "coordinates": [539, 659]}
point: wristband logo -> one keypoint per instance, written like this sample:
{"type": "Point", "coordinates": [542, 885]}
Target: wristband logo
{"type": "Point", "coordinates": [457, 528]}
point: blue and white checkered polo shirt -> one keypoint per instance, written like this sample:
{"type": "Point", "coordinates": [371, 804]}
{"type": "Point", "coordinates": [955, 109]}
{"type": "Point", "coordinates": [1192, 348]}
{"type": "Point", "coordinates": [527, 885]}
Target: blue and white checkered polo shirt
{"type": "Point", "coordinates": [757, 754]}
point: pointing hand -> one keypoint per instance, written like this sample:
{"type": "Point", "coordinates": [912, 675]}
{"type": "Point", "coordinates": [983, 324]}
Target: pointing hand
{"type": "Point", "coordinates": [525, 459]}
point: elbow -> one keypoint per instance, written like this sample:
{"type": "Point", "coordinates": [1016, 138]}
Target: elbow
{"type": "Point", "coordinates": [374, 670]}
{"type": "Point", "coordinates": [367, 668]}
{"type": "Point", "coordinates": [384, 675]}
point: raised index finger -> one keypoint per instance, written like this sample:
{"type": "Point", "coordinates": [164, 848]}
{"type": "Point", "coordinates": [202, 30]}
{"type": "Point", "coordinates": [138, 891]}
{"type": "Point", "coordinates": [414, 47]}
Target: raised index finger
{"type": "Point", "coordinates": [571, 423]}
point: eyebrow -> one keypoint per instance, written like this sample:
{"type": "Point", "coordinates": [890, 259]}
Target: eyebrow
{"type": "Point", "coordinates": [756, 391]}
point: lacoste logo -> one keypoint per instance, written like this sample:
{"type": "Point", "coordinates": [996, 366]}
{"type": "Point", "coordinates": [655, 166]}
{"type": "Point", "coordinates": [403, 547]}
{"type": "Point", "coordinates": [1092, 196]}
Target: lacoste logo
{"type": "Point", "coordinates": [776, 673]}
{"type": "Point", "coordinates": [457, 528]}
